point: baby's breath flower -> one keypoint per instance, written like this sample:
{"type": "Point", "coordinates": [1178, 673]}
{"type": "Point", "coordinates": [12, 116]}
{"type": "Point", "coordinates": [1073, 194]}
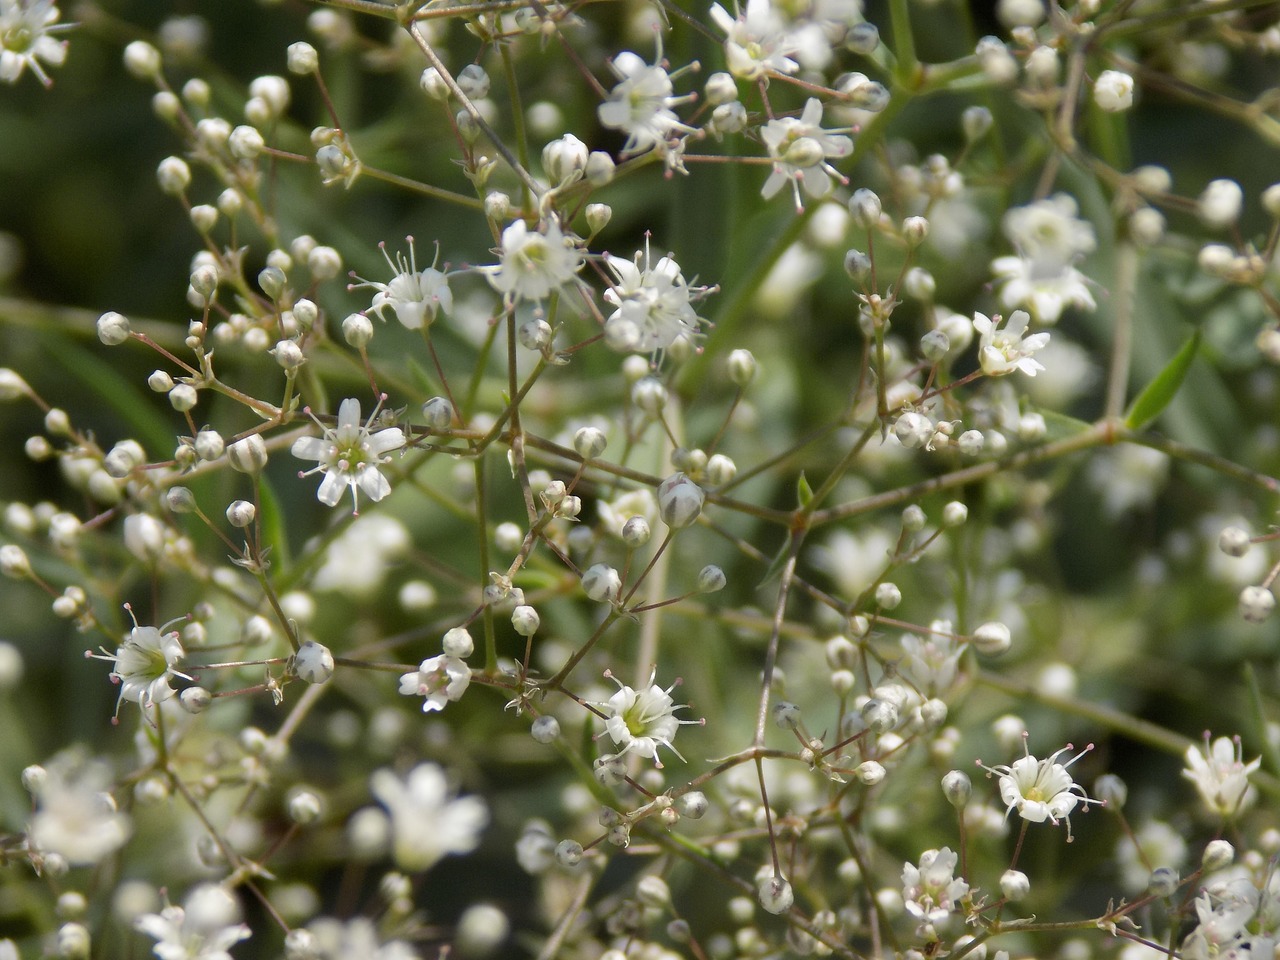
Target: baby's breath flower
{"type": "Point", "coordinates": [427, 824]}
{"type": "Point", "coordinates": [654, 304]}
{"type": "Point", "coordinates": [1113, 91]}
{"type": "Point", "coordinates": [641, 721]}
{"type": "Point", "coordinates": [203, 928]}
{"type": "Point", "coordinates": [930, 891]}
{"type": "Point", "coordinates": [801, 151]}
{"type": "Point", "coordinates": [1220, 774]}
{"type": "Point", "coordinates": [144, 664]}
{"type": "Point", "coordinates": [1041, 790]}
{"type": "Point", "coordinates": [534, 263]}
{"type": "Point", "coordinates": [26, 39]}
{"type": "Point", "coordinates": [415, 296]}
{"type": "Point", "coordinates": [756, 41]}
{"type": "Point", "coordinates": [1003, 350]}
{"type": "Point", "coordinates": [437, 679]}
{"type": "Point", "coordinates": [349, 455]}
{"type": "Point", "coordinates": [640, 104]}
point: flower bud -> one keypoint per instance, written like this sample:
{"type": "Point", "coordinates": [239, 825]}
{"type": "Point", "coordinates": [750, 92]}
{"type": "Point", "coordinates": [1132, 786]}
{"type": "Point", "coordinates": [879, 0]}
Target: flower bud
{"type": "Point", "coordinates": [635, 532]}
{"type": "Point", "coordinates": [954, 514]}
{"type": "Point", "coordinates": [246, 142]}
{"type": "Point", "coordinates": [248, 455]}
{"type": "Point", "coordinates": [12, 386]}
{"type": "Point", "coordinates": [525, 619]}
{"type": "Point", "coordinates": [1219, 205]}
{"type": "Point", "coordinates": [535, 334]}
{"type": "Point", "coordinates": [775, 894]}
{"type": "Point", "coordinates": [914, 231]}
{"type": "Point", "coordinates": [569, 853]}
{"type": "Point", "coordinates": [888, 595]}
{"type": "Point", "coordinates": [173, 175]}
{"type": "Point", "coordinates": [1015, 885]}
{"type": "Point", "coordinates": [1163, 882]}
{"type": "Point", "coordinates": [304, 806]}
{"type": "Point", "coordinates": [457, 642]}
{"type": "Point", "coordinates": [992, 638]}
{"type": "Point", "coordinates": [679, 501]}
{"type": "Point", "coordinates": [1218, 854]}
{"type": "Point", "coordinates": [865, 207]}
{"type": "Point", "coordinates": [272, 281]}
{"type": "Point", "coordinates": [720, 88]}
{"type": "Point", "coordinates": [598, 216]}
{"type": "Point", "coordinates": [204, 217]}
{"type": "Point", "coordinates": [1256, 603]}
{"type": "Point", "coordinates": [564, 160]}
{"type": "Point", "coordinates": [599, 172]}
{"type": "Point", "coordinates": [545, 729]}
{"type": "Point", "coordinates": [589, 442]}
{"type": "Point", "coordinates": [741, 366]}
{"type": "Point", "coordinates": [437, 413]}
{"type": "Point", "coordinates": [241, 513]}
{"type": "Point", "coordinates": [433, 85]}
{"type": "Point", "coordinates": [650, 395]}
{"type": "Point", "coordinates": [602, 583]}
{"type": "Point", "coordinates": [195, 699]}
{"type": "Point", "coordinates": [113, 328]}
{"type": "Point", "coordinates": [313, 663]}
{"type": "Point", "coordinates": [1234, 542]}
{"type": "Point", "coordinates": [869, 772]}
{"type": "Point", "coordinates": [302, 58]}
{"type": "Point", "coordinates": [880, 716]}
{"type": "Point", "coordinates": [913, 518]}
{"type": "Point", "coordinates": [142, 60]}
{"type": "Point", "coordinates": [957, 787]}
{"type": "Point", "coordinates": [474, 81]}
{"type": "Point", "coordinates": [14, 562]}
{"type": "Point", "coordinates": [183, 397]}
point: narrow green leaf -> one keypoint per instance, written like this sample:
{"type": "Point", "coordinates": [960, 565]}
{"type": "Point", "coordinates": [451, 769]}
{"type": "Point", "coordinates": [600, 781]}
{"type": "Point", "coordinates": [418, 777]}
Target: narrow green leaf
{"type": "Point", "coordinates": [271, 523]}
{"type": "Point", "coordinates": [1155, 396]}
{"type": "Point", "coordinates": [804, 492]}
{"type": "Point", "coordinates": [1060, 426]}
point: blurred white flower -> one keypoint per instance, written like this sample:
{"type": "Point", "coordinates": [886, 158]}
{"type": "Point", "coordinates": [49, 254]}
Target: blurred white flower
{"type": "Point", "coordinates": [26, 39]}
{"type": "Point", "coordinates": [357, 561]}
{"type": "Point", "coordinates": [357, 937]}
{"type": "Point", "coordinates": [76, 817]}
{"type": "Point", "coordinates": [427, 824]}
{"type": "Point", "coordinates": [1049, 239]}
{"type": "Point", "coordinates": [1220, 774]}
{"type": "Point", "coordinates": [205, 927]}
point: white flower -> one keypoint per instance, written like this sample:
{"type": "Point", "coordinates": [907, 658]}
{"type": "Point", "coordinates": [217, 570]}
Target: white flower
{"type": "Point", "coordinates": [1002, 351]}
{"type": "Point", "coordinates": [641, 721]}
{"type": "Point", "coordinates": [1049, 239]}
{"type": "Point", "coordinates": [931, 661]}
{"type": "Point", "coordinates": [358, 937]}
{"type": "Point", "coordinates": [357, 561]}
{"type": "Point", "coordinates": [1041, 790]}
{"type": "Point", "coordinates": [534, 262]}
{"type": "Point", "coordinates": [414, 296]}
{"type": "Point", "coordinates": [439, 679]}
{"type": "Point", "coordinates": [75, 816]}
{"type": "Point", "coordinates": [756, 42]}
{"type": "Point", "coordinates": [427, 824]}
{"type": "Point", "coordinates": [1113, 91]}
{"type": "Point", "coordinates": [640, 104]}
{"type": "Point", "coordinates": [1220, 774]}
{"type": "Point", "coordinates": [205, 927]}
{"type": "Point", "coordinates": [25, 39]}
{"type": "Point", "coordinates": [349, 454]}
{"type": "Point", "coordinates": [800, 149]}
{"type": "Point", "coordinates": [144, 665]}
{"type": "Point", "coordinates": [931, 892]}
{"type": "Point", "coordinates": [654, 304]}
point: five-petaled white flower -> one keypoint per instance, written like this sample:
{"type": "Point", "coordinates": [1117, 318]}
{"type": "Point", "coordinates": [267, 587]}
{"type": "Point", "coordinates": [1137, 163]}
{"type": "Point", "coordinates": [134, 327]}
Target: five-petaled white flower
{"type": "Point", "coordinates": [640, 104]}
{"type": "Point", "coordinates": [641, 721]}
{"type": "Point", "coordinates": [1003, 350]}
{"type": "Point", "coordinates": [439, 679]}
{"type": "Point", "coordinates": [426, 823]}
{"type": "Point", "coordinates": [1220, 774]}
{"type": "Point", "coordinates": [25, 39]}
{"type": "Point", "coordinates": [931, 891]}
{"type": "Point", "coordinates": [654, 304]}
{"type": "Point", "coordinates": [349, 454]}
{"type": "Point", "coordinates": [76, 816]}
{"type": "Point", "coordinates": [800, 149]}
{"type": "Point", "coordinates": [144, 664]}
{"type": "Point", "coordinates": [414, 296]}
{"type": "Point", "coordinates": [534, 262]}
{"type": "Point", "coordinates": [756, 42]}
{"type": "Point", "coordinates": [1041, 790]}
{"type": "Point", "coordinates": [205, 927]}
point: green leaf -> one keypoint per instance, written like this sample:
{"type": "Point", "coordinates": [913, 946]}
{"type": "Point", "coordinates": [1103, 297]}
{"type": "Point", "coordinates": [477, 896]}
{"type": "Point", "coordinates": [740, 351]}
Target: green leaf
{"type": "Point", "coordinates": [1060, 426]}
{"type": "Point", "coordinates": [271, 523]}
{"type": "Point", "coordinates": [1156, 395]}
{"type": "Point", "coordinates": [804, 492]}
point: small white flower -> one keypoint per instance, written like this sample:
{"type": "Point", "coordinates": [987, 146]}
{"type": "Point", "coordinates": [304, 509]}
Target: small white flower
{"type": "Point", "coordinates": [654, 304]}
{"type": "Point", "coordinates": [438, 679]}
{"type": "Point", "coordinates": [1004, 350]}
{"type": "Point", "coordinates": [1220, 774]}
{"type": "Point", "coordinates": [26, 28]}
{"type": "Point", "coordinates": [144, 665]}
{"type": "Point", "coordinates": [1041, 790]}
{"type": "Point", "coordinates": [641, 721]}
{"type": "Point", "coordinates": [801, 151]}
{"type": "Point", "coordinates": [640, 104]}
{"type": "Point", "coordinates": [415, 296]}
{"type": "Point", "coordinates": [349, 454]}
{"type": "Point", "coordinates": [931, 892]}
{"type": "Point", "coordinates": [1049, 238]}
{"type": "Point", "coordinates": [756, 42]}
{"type": "Point", "coordinates": [76, 817]}
{"type": "Point", "coordinates": [426, 823]}
{"type": "Point", "coordinates": [534, 262]}
{"type": "Point", "coordinates": [205, 927]}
